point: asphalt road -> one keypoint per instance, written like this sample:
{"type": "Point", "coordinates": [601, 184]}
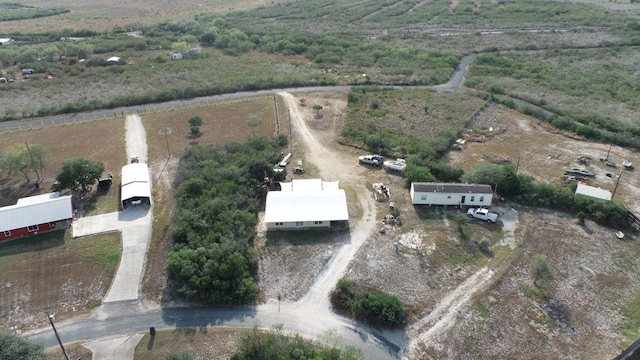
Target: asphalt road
{"type": "Point", "coordinates": [374, 344]}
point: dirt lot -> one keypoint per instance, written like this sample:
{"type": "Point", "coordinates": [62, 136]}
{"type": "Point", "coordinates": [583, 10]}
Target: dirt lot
{"type": "Point", "coordinates": [503, 135]}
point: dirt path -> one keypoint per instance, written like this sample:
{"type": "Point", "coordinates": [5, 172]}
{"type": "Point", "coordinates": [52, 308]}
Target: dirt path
{"type": "Point", "coordinates": [136, 138]}
{"type": "Point", "coordinates": [430, 330]}
{"type": "Point", "coordinates": [331, 165]}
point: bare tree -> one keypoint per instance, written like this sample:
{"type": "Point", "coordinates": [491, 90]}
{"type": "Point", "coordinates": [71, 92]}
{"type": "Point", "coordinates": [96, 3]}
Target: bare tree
{"type": "Point", "coordinates": [253, 121]}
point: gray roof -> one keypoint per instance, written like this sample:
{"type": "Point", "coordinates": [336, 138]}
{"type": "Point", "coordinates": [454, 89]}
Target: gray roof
{"type": "Point", "coordinates": [452, 188]}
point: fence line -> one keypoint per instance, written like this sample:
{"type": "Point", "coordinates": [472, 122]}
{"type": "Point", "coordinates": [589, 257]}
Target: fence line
{"type": "Point", "coordinates": [84, 118]}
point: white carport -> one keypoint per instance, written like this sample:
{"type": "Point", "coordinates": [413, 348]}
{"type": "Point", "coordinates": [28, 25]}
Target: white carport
{"type": "Point", "coordinates": [305, 203]}
{"type": "Point", "coordinates": [136, 187]}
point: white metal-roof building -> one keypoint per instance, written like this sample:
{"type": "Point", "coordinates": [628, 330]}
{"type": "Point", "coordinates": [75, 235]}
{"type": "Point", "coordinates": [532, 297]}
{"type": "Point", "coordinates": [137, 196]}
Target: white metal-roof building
{"type": "Point", "coordinates": [592, 191]}
{"type": "Point", "coordinates": [432, 193]}
{"type": "Point", "coordinates": [305, 203]}
{"type": "Point", "coordinates": [35, 214]}
{"type": "Point", "coordinates": [136, 185]}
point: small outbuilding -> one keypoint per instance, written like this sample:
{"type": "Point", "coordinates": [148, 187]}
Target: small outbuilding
{"type": "Point", "coordinates": [304, 204]}
{"type": "Point", "coordinates": [136, 187]}
{"type": "Point", "coordinates": [431, 193]}
{"type": "Point", "coordinates": [35, 214]}
{"type": "Point", "coordinates": [114, 60]}
{"type": "Point", "coordinates": [592, 191]}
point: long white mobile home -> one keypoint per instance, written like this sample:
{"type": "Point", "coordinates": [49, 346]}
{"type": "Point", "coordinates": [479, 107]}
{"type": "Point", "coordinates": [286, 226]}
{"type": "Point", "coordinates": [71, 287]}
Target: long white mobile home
{"type": "Point", "coordinates": [428, 193]}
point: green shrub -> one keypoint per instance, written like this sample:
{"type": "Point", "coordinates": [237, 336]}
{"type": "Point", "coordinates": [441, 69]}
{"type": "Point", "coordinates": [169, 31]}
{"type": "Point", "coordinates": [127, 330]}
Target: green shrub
{"type": "Point", "coordinates": [372, 306]}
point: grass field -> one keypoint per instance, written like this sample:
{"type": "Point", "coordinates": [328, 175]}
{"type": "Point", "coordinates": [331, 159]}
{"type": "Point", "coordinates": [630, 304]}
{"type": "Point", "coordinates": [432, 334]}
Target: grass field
{"type": "Point", "coordinates": [99, 16]}
{"type": "Point", "coordinates": [53, 272]}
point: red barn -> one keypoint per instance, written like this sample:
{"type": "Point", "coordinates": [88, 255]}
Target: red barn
{"type": "Point", "coordinates": [35, 214]}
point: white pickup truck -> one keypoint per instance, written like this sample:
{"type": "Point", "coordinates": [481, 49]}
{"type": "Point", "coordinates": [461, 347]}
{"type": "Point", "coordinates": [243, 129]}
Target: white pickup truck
{"type": "Point", "coordinates": [482, 214]}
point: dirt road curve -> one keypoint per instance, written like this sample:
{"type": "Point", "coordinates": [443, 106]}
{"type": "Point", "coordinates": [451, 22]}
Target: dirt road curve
{"type": "Point", "coordinates": [331, 166]}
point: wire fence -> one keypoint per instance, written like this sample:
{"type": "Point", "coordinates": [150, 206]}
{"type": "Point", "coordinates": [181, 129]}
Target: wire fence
{"type": "Point", "coordinates": [33, 124]}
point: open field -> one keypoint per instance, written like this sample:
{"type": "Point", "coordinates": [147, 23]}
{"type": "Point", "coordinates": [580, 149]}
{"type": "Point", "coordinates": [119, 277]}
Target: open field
{"type": "Point", "coordinates": [53, 272]}
{"type": "Point", "coordinates": [100, 16]}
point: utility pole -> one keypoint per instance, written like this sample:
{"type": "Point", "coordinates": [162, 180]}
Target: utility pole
{"type": "Point", "coordinates": [166, 137]}
{"type": "Point", "coordinates": [518, 163]}
{"type": "Point", "coordinates": [290, 132]}
{"type": "Point", "coordinates": [51, 317]}
{"type": "Point", "coordinates": [608, 152]}
{"type": "Point", "coordinates": [617, 183]}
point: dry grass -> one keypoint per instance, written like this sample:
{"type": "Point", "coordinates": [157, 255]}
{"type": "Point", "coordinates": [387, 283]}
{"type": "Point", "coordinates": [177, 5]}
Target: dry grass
{"type": "Point", "coordinates": [53, 272]}
{"type": "Point", "coordinates": [74, 351]}
{"type": "Point", "coordinates": [204, 343]}
{"type": "Point", "coordinates": [221, 122]}
{"type": "Point", "coordinates": [98, 15]}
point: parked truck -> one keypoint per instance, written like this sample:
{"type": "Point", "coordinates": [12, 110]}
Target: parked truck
{"type": "Point", "coordinates": [482, 214]}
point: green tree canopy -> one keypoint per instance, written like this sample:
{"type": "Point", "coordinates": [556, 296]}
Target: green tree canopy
{"type": "Point", "coordinates": [485, 173]}
{"type": "Point", "coordinates": [77, 174]}
{"type": "Point", "coordinates": [17, 348]}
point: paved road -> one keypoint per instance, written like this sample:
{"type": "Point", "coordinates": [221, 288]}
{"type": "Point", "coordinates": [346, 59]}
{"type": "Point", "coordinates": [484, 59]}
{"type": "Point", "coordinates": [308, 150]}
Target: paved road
{"type": "Point", "coordinates": [375, 344]}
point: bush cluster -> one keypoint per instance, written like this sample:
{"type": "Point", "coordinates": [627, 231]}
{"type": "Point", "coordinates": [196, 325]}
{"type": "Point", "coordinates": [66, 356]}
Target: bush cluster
{"type": "Point", "coordinates": [365, 304]}
{"type": "Point", "coordinates": [218, 192]}
{"type": "Point", "coordinates": [275, 344]}
{"type": "Point", "coordinates": [523, 189]}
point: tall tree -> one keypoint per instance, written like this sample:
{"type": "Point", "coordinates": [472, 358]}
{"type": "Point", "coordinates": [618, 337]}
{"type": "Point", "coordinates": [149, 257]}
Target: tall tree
{"type": "Point", "coordinates": [39, 158]}
{"type": "Point", "coordinates": [17, 348]}
{"type": "Point", "coordinates": [16, 158]}
{"type": "Point", "coordinates": [78, 174]}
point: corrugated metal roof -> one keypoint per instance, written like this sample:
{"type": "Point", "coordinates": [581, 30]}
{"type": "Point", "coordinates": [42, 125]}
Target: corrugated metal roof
{"type": "Point", "coordinates": [307, 200]}
{"type": "Point", "coordinates": [452, 188]}
{"type": "Point", "coordinates": [36, 210]}
{"type": "Point", "coordinates": [136, 172]}
{"type": "Point", "coordinates": [595, 192]}
{"type": "Point", "coordinates": [135, 181]}
{"type": "Point", "coordinates": [328, 205]}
